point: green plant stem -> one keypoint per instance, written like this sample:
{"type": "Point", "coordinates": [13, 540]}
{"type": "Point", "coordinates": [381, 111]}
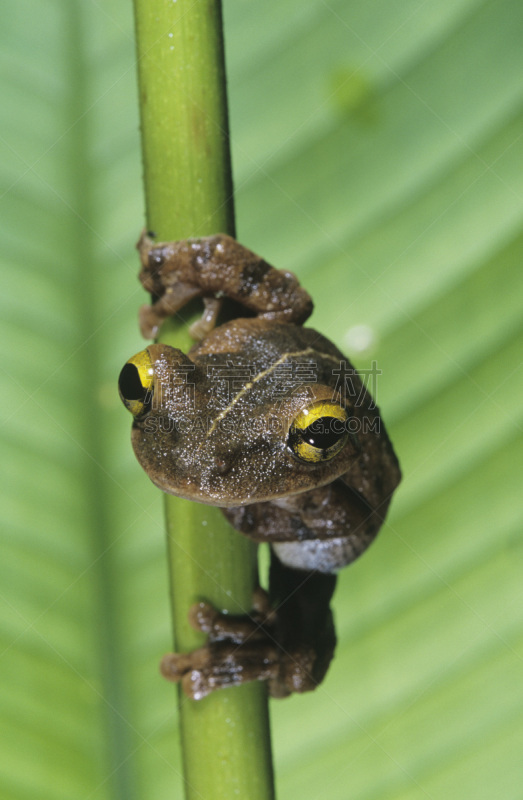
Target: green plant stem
{"type": "Point", "coordinates": [225, 737]}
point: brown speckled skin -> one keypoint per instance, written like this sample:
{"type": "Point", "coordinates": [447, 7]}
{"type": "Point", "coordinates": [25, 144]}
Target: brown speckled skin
{"type": "Point", "coordinates": [195, 443]}
{"type": "Point", "coordinates": [176, 272]}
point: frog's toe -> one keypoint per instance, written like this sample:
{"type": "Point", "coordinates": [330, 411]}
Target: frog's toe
{"type": "Point", "coordinates": [207, 322]}
{"type": "Point", "coordinates": [203, 617]}
{"type": "Point", "coordinates": [192, 670]}
{"type": "Point", "coordinates": [195, 685]}
{"type": "Point", "coordinates": [220, 626]}
{"type": "Point", "coordinates": [173, 666]}
{"type": "Point", "coordinates": [145, 244]}
{"type": "Point", "coordinates": [220, 666]}
{"type": "Point", "coordinates": [149, 322]}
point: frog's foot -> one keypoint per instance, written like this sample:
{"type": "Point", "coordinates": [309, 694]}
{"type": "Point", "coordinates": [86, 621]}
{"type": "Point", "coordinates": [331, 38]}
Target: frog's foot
{"type": "Point", "coordinates": [169, 296]}
{"type": "Point", "coordinates": [241, 649]}
{"type": "Point", "coordinates": [167, 300]}
{"type": "Point", "coordinates": [151, 316]}
{"type": "Point", "coordinates": [149, 322]}
{"type": "Point", "coordinates": [219, 665]}
{"type": "Point", "coordinates": [207, 322]}
{"type": "Point", "coordinates": [217, 266]}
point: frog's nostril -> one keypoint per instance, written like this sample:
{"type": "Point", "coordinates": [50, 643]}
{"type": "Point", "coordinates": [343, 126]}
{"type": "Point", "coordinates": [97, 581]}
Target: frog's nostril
{"type": "Point", "coordinates": [221, 465]}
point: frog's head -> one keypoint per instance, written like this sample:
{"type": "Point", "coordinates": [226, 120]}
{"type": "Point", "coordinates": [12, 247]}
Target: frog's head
{"type": "Point", "coordinates": [232, 443]}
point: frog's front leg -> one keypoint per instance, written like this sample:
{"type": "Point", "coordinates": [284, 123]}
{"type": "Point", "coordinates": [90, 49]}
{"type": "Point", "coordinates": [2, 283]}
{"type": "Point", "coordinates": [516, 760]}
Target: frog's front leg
{"type": "Point", "coordinates": [289, 644]}
{"type": "Point", "coordinates": [213, 266]}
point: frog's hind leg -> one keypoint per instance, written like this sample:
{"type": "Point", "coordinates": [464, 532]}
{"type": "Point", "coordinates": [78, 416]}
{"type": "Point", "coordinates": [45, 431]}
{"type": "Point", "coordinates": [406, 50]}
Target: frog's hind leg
{"type": "Point", "coordinates": [289, 644]}
{"type": "Point", "coordinates": [150, 317]}
{"type": "Point", "coordinates": [238, 650]}
{"type": "Point", "coordinates": [216, 266]}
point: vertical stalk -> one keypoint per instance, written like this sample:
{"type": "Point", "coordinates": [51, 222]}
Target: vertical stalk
{"type": "Point", "coordinates": [188, 187]}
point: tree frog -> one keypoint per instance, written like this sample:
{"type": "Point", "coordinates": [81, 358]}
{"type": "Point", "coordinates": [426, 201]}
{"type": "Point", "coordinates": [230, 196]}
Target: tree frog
{"type": "Point", "coordinates": [269, 421]}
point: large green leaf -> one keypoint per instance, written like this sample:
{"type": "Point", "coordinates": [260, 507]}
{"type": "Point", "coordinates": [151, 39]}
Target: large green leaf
{"type": "Point", "coordinates": [378, 153]}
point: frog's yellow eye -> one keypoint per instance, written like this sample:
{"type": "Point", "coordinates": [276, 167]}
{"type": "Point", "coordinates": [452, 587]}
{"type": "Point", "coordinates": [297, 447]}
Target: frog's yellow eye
{"type": "Point", "coordinates": [135, 383]}
{"type": "Point", "coordinates": [319, 432]}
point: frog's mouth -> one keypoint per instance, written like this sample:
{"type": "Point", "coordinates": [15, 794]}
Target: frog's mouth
{"type": "Point", "coordinates": [230, 490]}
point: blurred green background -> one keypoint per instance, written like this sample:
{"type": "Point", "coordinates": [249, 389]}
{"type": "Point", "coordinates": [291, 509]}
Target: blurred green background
{"type": "Point", "coordinates": [378, 153]}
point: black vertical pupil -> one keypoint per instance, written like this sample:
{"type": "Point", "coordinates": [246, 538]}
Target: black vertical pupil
{"type": "Point", "coordinates": [130, 384]}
